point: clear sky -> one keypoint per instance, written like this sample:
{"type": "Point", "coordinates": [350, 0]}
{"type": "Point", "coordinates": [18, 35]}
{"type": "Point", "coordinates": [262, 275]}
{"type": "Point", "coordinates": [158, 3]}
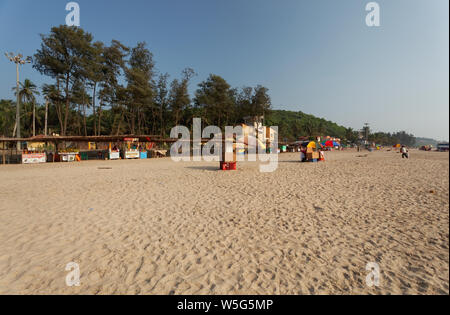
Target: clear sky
{"type": "Point", "coordinates": [317, 56]}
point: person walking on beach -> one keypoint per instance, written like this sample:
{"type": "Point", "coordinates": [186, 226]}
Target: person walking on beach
{"type": "Point", "coordinates": [404, 151]}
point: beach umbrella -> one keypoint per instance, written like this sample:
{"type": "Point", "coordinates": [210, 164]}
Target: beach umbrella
{"type": "Point", "coordinates": [329, 144]}
{"type": "Point", "coordinates": [314, 145]}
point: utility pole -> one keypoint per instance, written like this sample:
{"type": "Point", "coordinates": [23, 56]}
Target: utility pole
{"type": "Point", "coordinates": [18, 60]}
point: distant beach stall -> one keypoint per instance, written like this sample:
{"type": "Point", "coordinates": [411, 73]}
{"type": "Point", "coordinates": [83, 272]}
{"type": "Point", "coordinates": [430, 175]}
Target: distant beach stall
{"type": "Point", "coordinates": [34, 153]}
{"type": "Point", "coordinates": [68, 155]}
{"type": "Point", "coordinates": [311, 151]}
{"type": "Point", "coordinates": [34, 158]}
{"type": "Point", "coordinates": [79, 148]}
{"type": "Point", "coordinates": [131, 148]}
{"type": "Point", "coordinates": [74, 148]}
{"type": "Point", "coordinates": [114, 152]}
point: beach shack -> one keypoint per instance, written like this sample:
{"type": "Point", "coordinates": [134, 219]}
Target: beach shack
{"type": "Point", "coordinates": [68, 156]}
{"type": "Point", "coordinates": [131, 148]}
{"type": "Point", "coordinates": [311, 151]}
{"type": "Point", "coordinates": [114, 152]}
{"type": "Point", "coordinates": [34, 157]}
{"type": "Point", "coordinates": [34, 153]}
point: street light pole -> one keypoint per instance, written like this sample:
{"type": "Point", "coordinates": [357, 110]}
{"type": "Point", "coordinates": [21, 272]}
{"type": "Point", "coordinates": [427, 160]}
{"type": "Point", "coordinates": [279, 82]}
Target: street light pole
{"type": "Point", "coordinates": [18, 106]}
{"type": "Point", "coordinates": [18, 61]}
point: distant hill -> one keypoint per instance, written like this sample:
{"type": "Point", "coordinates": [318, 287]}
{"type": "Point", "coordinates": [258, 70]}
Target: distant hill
{"type": "Point", "coordinates": [293, 125]}
{"type": "Point", "coordinates": [426, 141]}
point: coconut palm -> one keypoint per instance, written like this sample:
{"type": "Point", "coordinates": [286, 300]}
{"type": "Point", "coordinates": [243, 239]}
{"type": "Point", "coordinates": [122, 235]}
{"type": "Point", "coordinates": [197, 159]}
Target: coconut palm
{"type": "Point", "coordinates": [27, 93]}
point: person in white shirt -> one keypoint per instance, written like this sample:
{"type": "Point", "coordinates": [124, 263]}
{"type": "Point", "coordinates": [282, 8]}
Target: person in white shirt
{"type": "Point", "coordinates": [404, 151]}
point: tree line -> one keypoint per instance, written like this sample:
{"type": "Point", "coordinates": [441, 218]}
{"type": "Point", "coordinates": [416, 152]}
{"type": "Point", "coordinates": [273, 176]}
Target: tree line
{"type": "Point", "coordinates": [112, 89]}
{"type": "Point", "coordinates": [400, 137]}
{"type": "Point", "coordinates": [296, 125]}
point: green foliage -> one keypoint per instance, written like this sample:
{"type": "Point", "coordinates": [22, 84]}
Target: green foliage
{"type": "Point", "coordinates": [179, 99]}
{"type": "Point", "coordinates": [87, 96]}
{"type": "Point", "coordinates": [139, 76]}
{"type": "Point", "coordinates": [65, 55]}
{"type": "Point", "coordinates": [294, 125]}
{"type": "Point", "coordinates": [7, 117]}
{"type": "Point", "coordinates": [214, 100]}
{"type": "Point", "coordinates": [390, 139]}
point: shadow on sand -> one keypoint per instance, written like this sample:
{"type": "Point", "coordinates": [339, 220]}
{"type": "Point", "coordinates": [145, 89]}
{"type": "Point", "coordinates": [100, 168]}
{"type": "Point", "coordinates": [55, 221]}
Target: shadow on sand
{"type": "Point", "coordinates": [204, 168]}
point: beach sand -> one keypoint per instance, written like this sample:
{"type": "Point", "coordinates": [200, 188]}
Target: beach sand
{"type": "Point", "coordinates": [160, 227]}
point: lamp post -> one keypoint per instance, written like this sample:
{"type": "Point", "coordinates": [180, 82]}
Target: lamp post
{"type": "Point", "coordinates": [18, 60]}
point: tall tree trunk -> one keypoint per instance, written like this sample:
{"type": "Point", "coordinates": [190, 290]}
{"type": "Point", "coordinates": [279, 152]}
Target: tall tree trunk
{"type": "Point", "coordinates": [154, 121]}
{"type": "Point", "coordinates": [133, 122]}
{"type": "Point", "coordinates": [120, 122]}
{"type": "Point", "coordinates": [34, 118]}
{"type": "Point", "coordinates": [138, 121]}
{"type": "Point", "coordinates": [58, 107]}
{"type": "Point", "coordinates": [161, 122]}
{"type": "Point", "coordinates": [79, 120]}
{"type": "Point", "coordinates": [119, 125]}
{"type": "Point", "coordinates": [99, 118]}
{"type": "Point", "coordinates": [84, 115]}
{"type": "Point", "coordinates": [84, 119]}
{"type": "Point", "coordinates": [46, 117]}
{"type": "Point", "coordinates": [129, 119]}
{"type": "Point", "coordinates": [59, 114]}
{"type": "Point", "coordinates": [93, 108]}
{"type": "Point", "coordinates": [15, 129]}
{"type": "Point", "coordinates": [66, 116]}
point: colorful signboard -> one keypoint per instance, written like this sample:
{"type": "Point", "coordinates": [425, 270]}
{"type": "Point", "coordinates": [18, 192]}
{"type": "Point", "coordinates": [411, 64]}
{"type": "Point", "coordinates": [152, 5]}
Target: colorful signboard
{"type": "Point", "coordinates": [132, 154]}
{"type": "Point", "coordinates": [34, 158]}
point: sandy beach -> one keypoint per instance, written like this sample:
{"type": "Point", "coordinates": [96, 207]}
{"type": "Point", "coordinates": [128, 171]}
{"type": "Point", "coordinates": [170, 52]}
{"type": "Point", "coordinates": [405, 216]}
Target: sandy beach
{"type": "Point", "coordinates": [159, 227]}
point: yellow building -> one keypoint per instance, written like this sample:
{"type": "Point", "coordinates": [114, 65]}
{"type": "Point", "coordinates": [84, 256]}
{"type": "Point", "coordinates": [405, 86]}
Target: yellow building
{"type": "Point", "coordinates": [35, 146]}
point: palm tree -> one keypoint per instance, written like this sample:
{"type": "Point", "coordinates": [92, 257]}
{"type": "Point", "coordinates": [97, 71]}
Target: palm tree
{"type": "Point", "coordinates": [27, 93]}
{"type": "Point", "coordinates": [53, 96]}
{"type": "Point", "coordinates": [7, 116]}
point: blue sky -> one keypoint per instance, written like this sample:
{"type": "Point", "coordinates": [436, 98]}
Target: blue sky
{"type": "Point", "coordinates": [315, 56]}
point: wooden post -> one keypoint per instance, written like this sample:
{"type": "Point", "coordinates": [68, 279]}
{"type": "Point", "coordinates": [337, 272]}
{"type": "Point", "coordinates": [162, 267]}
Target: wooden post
{"type": "Point", "coordinates": [56, 150]}
{"type": "Point", "coordinates": [4, 153]}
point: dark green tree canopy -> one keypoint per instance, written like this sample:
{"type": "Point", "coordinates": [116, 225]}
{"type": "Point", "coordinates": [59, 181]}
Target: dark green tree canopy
{"type": "Point", "coordinates": [101, 89]}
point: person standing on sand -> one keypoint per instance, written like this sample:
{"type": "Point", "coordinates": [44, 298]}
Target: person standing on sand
{"type": "Point", "coordinates": [404, 151]}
